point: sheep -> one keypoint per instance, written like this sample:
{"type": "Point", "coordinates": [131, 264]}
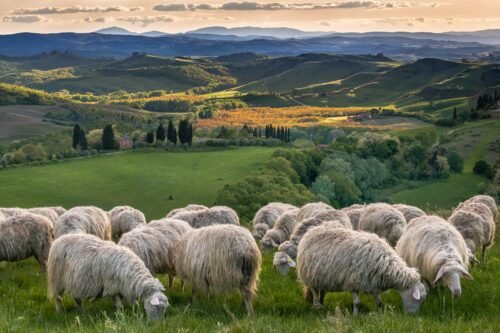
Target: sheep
{"type": "Point", "coordinates": [281, 230]}
{"type": "Point", "coordinates": [125, 218]}
{"type": "Point", "coordinates": [476, 225]}
{"type": "Point", "coordinates": [220, 258]}
{"type": "Point", "coordinates": [266, 217]}
{"type": "Point", "coordinates": [9, 212]}
{"type": "Point", "coordinates": [49, 213]}
{"type": "Point", "coordinates": [437, 250]}
{"type": "Point", "coordinates": [84, 220]}
{"type": "Point", "coordinates": [26, 235]}
{"type": "Point", "coordinates": [288, 250]}
{"type": "Point", "coordinates": [409, 212]}
{"type": "Point", "coordinates": [354, 213]}
{"type": "Point", "coordinates": [486, 200]}
{"type": "Point", "coordinates": [86, 267]}
{"type": "Point", "coordinates": [188, 208]}
{"type": "Point", "coordinates": [213, 215]}
{"type": "Point", "coordinates": [2, 217]}
{"type": "Point", "coordinates": [311, 209]}
{"type": "Point", "coordinates": [340, 259]}
{"type": "Point", "coordinates": [155, 244]}
{"type": "Point", "coordinates": [384, 220]}
{"type": "Point", "coordinates": [58, 209]}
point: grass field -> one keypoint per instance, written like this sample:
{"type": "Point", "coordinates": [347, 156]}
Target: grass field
{"type": "Point", "coordinates": [142, 179]}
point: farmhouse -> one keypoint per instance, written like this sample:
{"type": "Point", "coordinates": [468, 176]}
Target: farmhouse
{"type": "Point", "coordinates": [126, 142]}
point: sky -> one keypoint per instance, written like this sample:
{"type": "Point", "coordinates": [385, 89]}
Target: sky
{"type": "Point", "coordinates": [310, 15]}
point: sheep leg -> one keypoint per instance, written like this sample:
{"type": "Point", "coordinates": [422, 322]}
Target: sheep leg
{"type": "Point", "coordinates": [182, 285]}
{"type": "Point", "coordinates": [308, 295]}
{"type": "Point", "coordinates": [247, 299]}
{"type": "Point", "coordinates": [193, 295]}
{"type": "Point", "coordinates": [483, 255]}
{"type": "Point", "coordinates": [58, 303]}
{"type": "Point", "coordinates": [355, 302]}
{"type": "Point", "coordinates": [170, 281]}
{"type": "Point", "coordinates": [322, 295]}
{"type": "Point", "coordinates": [378, 301]}
{"type": "Point", "coordinates": [316, 298]}
{"type": "Point", "coordinates": [78, 303]}
{"type": "Point", "coordinates": [118, 302]}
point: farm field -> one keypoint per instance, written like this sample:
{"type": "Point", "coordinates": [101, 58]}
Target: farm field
{"type": "Point", "coordinates": [20, 121]}
{"type": "Point", "coordinates": [142, 179]}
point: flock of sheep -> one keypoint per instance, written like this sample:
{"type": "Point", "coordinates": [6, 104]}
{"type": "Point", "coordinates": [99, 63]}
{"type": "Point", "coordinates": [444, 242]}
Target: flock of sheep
{"type": "Point", "coordinates": [359, 249]}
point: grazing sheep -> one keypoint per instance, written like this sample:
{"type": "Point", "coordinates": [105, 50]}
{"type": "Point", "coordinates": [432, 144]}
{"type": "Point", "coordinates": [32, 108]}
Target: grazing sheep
{"type": "Point", "coordinates": [437, 250]}
{"type": "Point", "coordinates": [486, 200]}
{"type": "Point", "coordinates": [9, 212]}
{"type": "Point", "coordinates": [49, 213]}
{"type": "Point", "coordinates": [477, 227]}
{"type": "Point", "coordinates": [340, 259]}
{"type": "Point", "coordinates": [155, 244]}
{"type": "Point", "coordinates": [188, 208]}
{"type": "Point", "coordinates": [220, 258]}
{"type": "Point", "coordinates": [354, 213]}
{"type": "Point", "coordinates": [288, 250]}
{"type": "Point", "coordinates": [266, 217]}
{"type": "Point", "coordinates": [213, 215]}
{"type": "Point", "coordinates": [26, 235]}
{"type": "Point", "coordinates": [125, 219]}
{"type": "Point", "coordinates": [281, 230]}
{"type": "Point", "coordinates": [58, 209]}
{"type": "Point", "coordinates": [311, 209]}
{"type": "Point", "coordinates": [84, 220]}
{"type": "Point", "coordinates": [409, 212]}
{"type": "Point", "coordinates": [86, 267]}
{"type": "Point", "coordinates": [2, 217]}
{"type": "Point", "coordinates": [384, 220]}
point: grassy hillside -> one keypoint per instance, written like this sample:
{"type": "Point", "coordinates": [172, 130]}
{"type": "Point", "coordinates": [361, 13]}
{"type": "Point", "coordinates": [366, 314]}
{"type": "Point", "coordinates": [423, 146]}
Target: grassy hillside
{"type": "Point", "coordinates": [141, 179]}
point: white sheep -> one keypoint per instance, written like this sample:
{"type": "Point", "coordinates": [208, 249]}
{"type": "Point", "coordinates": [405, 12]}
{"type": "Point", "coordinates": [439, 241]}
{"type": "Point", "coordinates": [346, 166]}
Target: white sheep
{"type": "Point", "coordinates": [409, 212]}
{"type": "Point", "coordinates": [288, 250]}
{"type": "Point", "coordinates": [58, 209]}
{"type": "Point", "coordinates": [475, 223]}
{"type": "Point", "coordinates": [125, 218]}
{"type": "Point", "coordinates": [188, 208]}
{"type": "Point", "coordinates": [220, 258]}
{"type": "Point", "coordinates": [437, 250]}
{"type": "Point", "coordinates": [84, 220]}
{"type": "Point", "coordinates": [9, 212]}
{"type": "Point", "coordinates": [26, 235]}
{"type": "Point", "coordinates": [49, 213]}
{"type": "Point", "coordinates": [155, 244]}
{"type": "Point", "coordinates": [311, 209]}
{"type": "Point", "coordinates": [281, 230]}
{"type": "Point", "coordinates": [384, 220]}
{"type": "Point", "coordinates": [86, 267]}
{"type": "Point", "coordinates": [354, 213]}
{"type": "Point", "coordinates": [266, 217]}
{"type": "Point", "coordinates": [2, 217]}
{"type": "Point", "coordinates": [486, 200]}
{"type": "Point", "coordinates": [213, 215]}
{"type": "Point", "coordinates": [340, 259]}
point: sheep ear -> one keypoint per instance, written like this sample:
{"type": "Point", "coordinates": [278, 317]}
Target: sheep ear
{"type": "Point", "coordinates": [291, 263]}
{"type": "Point", "coordinates": [155, 300]}
{"type": "Point", "coordinates": [466, 274]}
{"type": "Point", "coordinates": [416, 293]}
{"type": "Point", "coordinates": [439, 275]}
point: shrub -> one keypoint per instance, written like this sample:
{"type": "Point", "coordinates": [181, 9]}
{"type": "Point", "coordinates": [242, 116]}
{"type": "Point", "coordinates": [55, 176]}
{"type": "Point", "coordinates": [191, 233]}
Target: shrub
{"type": "Point", "coordinates": [482, 167]}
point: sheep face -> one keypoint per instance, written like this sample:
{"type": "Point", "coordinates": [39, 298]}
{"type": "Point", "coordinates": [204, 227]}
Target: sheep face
{"type": "Point", "coordinates": [413, 297]}
{"type": "Point", "coordinates": [449, 274]}
{"type": "Point", "coordinates": [155, 306]}
{"type": "Point", "coordinates": [260, 230]}
{"type": "Point", "coordinates": [282, 262]}
{"type": "Point", "coordinates": [471, 257]}
{"type": "Point", "coordinates": [267, 244]}
{"type": "Point", "coordinates": [290, 248]}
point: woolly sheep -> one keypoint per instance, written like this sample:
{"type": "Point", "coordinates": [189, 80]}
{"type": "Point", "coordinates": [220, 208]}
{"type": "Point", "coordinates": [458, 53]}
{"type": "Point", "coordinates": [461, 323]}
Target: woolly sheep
{"type": "Point", "coordinates": [213, 215]}
{"type": "Point", "coordinates": [49, 213]}
{"type": "Point", "coordinates": [354, 213]}
{"type": "Point", "coordinates": [266, 217]}
{"type": "Point", "coordinates": [2, 217]}
{"type": "Point", "coordinates": [281, 230]}
{"type": "Point", "coordinates": [9, 212]}
{"type": "Point", "coordinates": [476, 225]}
{"type": "Point", "coordinates": [340, 259]}
{"type": "Point", "coordinates": [288, 250]}
{"type": "Point", "coordinates": [84, 220]}
{"type": "Point", "coordinates": [155, 244]}
{"type": "Point", "coordinates": [188, 208]}
{"type": "Point", "coordinates": [26, 235]}
{"type": "Point", "coordinates": [384, 220]}
{"type": "Point", "coordinates": [220, 258]}
{"type": "Point", "coordinates": [486, 200]}
{"type": "Point", "coordinates": [125, 219]}
{"type": "Point", "coordinates": [437, 250]}
{"type": "Point", "coordinates": [58, 209]}
{"type": "Point", "coordinates": [311, 209]}
{"type": "Point", "coordinates": [86, 267]}
{"type": "Point", "coordinates": [409, 212]}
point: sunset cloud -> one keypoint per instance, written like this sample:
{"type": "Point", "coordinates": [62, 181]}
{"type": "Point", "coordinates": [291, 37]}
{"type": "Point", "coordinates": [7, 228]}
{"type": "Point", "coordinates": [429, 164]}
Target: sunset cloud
{"type": "Point", "coordinates": [74, 10]}
{"type": "Point", "coordinates": [24, 19]}
{"type": "Point", "coordinates": [145, 20]}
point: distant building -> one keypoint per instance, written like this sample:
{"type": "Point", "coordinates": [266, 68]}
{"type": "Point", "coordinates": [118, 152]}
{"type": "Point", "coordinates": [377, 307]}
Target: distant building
{"type": "Point", "coordinates": [126, 142]}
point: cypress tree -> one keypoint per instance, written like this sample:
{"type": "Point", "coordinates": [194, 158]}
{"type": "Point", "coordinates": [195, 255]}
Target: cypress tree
{"type": "Point", "coordinates": [160, 133]}
{"type": "Point", "coordinates": [171, 133]}
{"type": "Point", "coordinates": [108, 138]}
{"type": "Point", "coordinates": [255, 134]}
{"type": "Point", "coordinates": [150, 137]}
{"type": "Point", "coordinates": [190, 134]}
{"type": "Point", "coordinates": [76, 136]}
{"type": "Point", "coordinates": [184, 131]}
{"type": "Point", "coordinates": [174, 137]}
{"type": "Point", "coordinates": [82, 140]}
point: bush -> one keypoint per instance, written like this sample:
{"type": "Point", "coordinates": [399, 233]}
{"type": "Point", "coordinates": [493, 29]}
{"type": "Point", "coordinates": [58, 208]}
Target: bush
{"type": "Point", "coordinates": [455, 161]}
{"type": "Point", "coordinates": [482, 167]}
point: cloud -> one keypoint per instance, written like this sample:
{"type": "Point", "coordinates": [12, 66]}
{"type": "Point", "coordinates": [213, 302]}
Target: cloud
{"type": "Point", "coordinates": [251, 5]}
{"type": "Point", "coordinates": [24, 19]}
{"type": "Point", "coordinates": [97, 19]}
{"type": "Point", "coordinates": [325, 23]}
{"type": "Point", "coordinates": [146, 20]}
{"type": "Point", "coordinates": [74, 10]}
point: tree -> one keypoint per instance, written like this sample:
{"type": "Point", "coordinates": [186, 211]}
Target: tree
{"type": "Point", "coordinates": [455, 161]}
{"type": "Point", "coordinates": [160, 133]}
{"type": "Point", "coordinates": [76, 136]}
{"type": "Point", "coordinates": [150, 137]}
{"type": "Point", "coordinates": [171, 133]}
{"type": "Point", "coordinates": [82, 141]}
{"type": "Point", "coordinates": [108, 138]}
{"type": "Point", "coordinates": [455, 116]}
{"type": "Point", "coordinates": [185, 132]}
{"type": "Point", "coordinates": [482, 167]}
